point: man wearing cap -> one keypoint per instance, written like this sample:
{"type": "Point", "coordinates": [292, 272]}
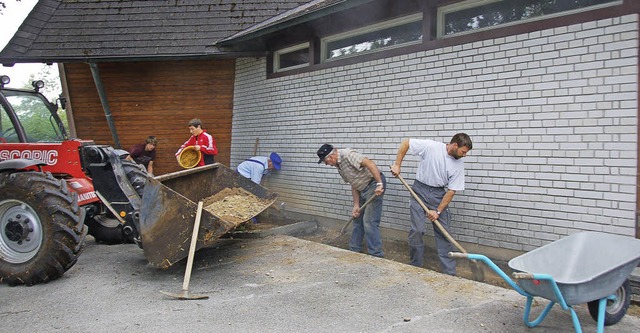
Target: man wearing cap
{"type": "Point", "coordinates": [366, 181]}
{"type": "Point", "coordinates": [257, 166]}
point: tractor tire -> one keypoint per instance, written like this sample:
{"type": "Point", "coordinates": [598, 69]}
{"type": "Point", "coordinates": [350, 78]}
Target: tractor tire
{"type": "Point", "coordinates": [136, 174]}
{"type": "Point", "coordinates": [42, 228]}
{"type": "Point", "coordinates": [106, 229]}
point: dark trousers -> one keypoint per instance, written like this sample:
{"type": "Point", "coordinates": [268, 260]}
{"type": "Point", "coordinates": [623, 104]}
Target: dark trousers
{"type": "Point", "coordinates": [431, 197]}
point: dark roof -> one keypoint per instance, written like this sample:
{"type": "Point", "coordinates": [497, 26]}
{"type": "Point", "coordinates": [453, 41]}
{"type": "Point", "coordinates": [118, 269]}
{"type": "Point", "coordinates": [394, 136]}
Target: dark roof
{"type": "Point", "coordinates": [301, 14]}
{"type": "Point", "coordinates": [110, 30]}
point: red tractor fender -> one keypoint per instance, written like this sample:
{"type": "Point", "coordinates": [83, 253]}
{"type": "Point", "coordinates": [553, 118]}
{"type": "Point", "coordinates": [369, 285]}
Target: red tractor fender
{"type": "Point", "coordinates": [82, 186]}
{"type": "Point", "coordinates": [20, 164]}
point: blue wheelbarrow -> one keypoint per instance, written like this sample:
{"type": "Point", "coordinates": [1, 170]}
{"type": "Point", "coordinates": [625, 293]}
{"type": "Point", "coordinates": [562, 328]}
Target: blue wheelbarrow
{"type": "Point", "coordinates": [586, 267]}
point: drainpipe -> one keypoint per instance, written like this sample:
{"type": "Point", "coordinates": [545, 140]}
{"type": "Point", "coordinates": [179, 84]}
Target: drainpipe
{"type": "Point", "coordinates": [105, 104]}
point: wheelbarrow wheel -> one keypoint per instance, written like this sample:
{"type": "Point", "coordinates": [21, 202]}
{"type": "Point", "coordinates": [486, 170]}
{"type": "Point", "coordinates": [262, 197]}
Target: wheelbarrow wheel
{"type": "Point", "coordinates": [615, 309]}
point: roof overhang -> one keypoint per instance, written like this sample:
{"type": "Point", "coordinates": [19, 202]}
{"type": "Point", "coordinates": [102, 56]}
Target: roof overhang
{"type": "Point", "coordinates": [303, 14]}
{"type": "Point", "coordinates": [10, 61]}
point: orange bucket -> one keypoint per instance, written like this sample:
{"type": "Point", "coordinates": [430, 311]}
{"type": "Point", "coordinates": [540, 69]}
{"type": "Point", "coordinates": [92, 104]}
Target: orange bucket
{"type": "Point", "coordinates": [189, 157]}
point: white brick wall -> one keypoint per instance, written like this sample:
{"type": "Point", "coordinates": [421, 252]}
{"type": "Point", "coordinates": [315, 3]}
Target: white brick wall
{"type": "Point", "coordinates": [553, 117]}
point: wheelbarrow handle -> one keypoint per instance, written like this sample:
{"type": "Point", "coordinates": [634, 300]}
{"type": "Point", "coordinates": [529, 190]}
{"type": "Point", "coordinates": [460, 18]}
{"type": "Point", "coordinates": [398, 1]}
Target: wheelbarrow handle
{"type": "Point", "coordinates": [527, 276]}
{"type": "Point", "coordinates": [436, 222]}
{"type": "Point", "coordinates": [458, 255]}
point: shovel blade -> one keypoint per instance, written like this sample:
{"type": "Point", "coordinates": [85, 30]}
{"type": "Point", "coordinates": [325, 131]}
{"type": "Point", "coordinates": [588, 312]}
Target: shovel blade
{"type": "Point", "coordinates": [184, 295]}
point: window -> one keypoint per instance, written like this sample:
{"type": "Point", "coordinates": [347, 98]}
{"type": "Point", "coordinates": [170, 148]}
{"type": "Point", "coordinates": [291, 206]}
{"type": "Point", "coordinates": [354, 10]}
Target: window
{"type": "Point", "coordinates": [7, 131]}
{"type": "Point", "coordinates": [470, 16]}
{"type": "Point", "coordinates": [37, 120]}
{"type": "Point", "coordinates": [292, 57]}
{"type": "Point", "coordinates": [389, 34]}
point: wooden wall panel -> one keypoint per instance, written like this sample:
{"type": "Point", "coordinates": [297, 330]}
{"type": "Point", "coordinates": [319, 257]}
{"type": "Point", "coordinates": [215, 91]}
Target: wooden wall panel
{"type": "Point", "coordinates": [155, 98]}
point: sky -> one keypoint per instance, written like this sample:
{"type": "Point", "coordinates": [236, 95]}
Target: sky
{"type": "Point", "coordinates": [11, 18]}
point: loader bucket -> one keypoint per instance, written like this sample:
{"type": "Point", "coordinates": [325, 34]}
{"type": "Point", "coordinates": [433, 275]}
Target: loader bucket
{"type": "Point", "coordinates": [170, 201]}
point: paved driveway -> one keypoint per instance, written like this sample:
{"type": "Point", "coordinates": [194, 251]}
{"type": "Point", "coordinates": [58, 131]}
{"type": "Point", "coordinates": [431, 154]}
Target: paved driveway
{"type": "Point", "coordinates": [273, 284]}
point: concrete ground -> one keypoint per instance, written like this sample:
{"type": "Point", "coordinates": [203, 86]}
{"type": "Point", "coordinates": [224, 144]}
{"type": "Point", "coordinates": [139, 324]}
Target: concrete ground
{"type": "Point", "coordinates": [273, 284]}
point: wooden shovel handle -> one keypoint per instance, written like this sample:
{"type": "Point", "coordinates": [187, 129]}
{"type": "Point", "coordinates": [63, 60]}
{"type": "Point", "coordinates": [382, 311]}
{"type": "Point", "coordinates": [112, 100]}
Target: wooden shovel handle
{"type": "Point", "coordinates": [361, 208]}
{"type": "Point", "coordinates": [192, 247]}
{"type": "Point", "coordinates": [255, 147]}
{"type": "Point", "coordinates": [436, 222]}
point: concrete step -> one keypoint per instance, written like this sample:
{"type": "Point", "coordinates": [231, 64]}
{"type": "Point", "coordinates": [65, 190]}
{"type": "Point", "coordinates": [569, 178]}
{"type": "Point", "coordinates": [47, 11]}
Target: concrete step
{"type": "Point", "coordinates": [261, 230]}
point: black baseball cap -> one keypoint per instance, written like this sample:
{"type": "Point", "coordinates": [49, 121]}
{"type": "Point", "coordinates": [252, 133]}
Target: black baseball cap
{"type": "Point", "coordinates": [324, 150]}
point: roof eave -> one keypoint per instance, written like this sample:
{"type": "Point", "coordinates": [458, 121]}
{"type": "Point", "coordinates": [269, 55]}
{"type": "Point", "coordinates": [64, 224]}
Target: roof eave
{"type": "Point", "coordinates": [10, 61]}
{"type": "Point", "coordinates": [287, 23]}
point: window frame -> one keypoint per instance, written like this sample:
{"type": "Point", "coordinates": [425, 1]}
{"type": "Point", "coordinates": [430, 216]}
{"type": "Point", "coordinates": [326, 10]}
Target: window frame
{"type": "Point", "coordinates": [411, 18]}
{"type": "Point", "coordinates": [293, 48]}
{"type": "Point", "coordinates": [458, 6]}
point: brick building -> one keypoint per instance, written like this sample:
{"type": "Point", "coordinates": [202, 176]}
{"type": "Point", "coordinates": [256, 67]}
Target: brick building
{"type": "Point", "coordinates": [550, 101]}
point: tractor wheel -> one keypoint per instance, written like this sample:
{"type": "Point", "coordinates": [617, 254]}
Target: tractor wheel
{"type": "Point", "coordinates": [106, 230]}
{"type": "Point", "coordinates": [136, 174]}
{"type": "Point", "coordinates": [42, 228]}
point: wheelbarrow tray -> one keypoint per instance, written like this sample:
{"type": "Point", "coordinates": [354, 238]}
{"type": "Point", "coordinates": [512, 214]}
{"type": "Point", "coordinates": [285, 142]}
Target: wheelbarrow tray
{"type": "Point", "coordinates": [169, 205]}
{"type": "Point", "coordinates": [586, 266]}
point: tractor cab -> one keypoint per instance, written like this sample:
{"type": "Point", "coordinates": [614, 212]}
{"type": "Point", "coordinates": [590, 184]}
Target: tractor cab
{"type": "Point", "coordinates": [27, 116]}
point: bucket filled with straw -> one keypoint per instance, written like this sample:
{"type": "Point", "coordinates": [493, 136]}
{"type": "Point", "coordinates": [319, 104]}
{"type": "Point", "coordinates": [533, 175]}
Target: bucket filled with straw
{"type": "Point", "coordinates": [189, 157]}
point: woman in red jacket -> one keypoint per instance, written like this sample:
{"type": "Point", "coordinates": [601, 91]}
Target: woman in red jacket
{"type": "Point", "coordinates": [202, 141]}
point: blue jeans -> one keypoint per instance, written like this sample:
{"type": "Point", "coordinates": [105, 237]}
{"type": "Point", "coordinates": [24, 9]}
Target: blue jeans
{"type": "Point", "coordinates": [366, 227]}
{"type": "Point", "coordinates": [431, 196]}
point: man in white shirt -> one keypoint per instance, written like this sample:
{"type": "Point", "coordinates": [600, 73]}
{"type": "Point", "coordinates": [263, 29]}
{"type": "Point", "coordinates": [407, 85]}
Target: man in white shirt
{"type": "Point", "coordinates": [440, 175]}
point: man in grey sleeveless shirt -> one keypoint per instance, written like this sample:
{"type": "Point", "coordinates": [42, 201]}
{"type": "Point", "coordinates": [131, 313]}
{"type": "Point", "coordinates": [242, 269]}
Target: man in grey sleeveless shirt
{"type": "Point", "coordinates": [440, 175]}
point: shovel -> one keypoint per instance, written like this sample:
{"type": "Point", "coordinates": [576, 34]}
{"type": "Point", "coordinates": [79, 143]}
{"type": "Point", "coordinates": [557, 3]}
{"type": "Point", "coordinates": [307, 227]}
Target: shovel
{"type": "Point", "coordinates": [478, 273]}
{"type": "Point", "coordinates": [344, 229]}
{"type": "Point", "coordinates": [184, 293]}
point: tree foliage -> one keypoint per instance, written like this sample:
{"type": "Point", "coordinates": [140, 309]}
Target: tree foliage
{"type": "Point", "coordinates": [34, 116]}
{"type": "Point", "coordinates": [3, 5]}
{"type": "Point", "coordinates": [501, 12]}
{"type": "Point", "coordinates": [51, 77]}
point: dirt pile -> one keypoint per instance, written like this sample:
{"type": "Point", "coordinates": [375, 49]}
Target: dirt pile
{"type": "Point", "coordinates": [234, 204]}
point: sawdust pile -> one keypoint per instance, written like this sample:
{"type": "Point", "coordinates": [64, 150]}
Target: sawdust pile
{"type": "Point", "coordinates": [234, 204]}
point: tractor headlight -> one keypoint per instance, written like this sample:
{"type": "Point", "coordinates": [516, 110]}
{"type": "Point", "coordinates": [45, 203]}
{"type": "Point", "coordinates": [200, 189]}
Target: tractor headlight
{"type": "Point", "coordinates": [37, 85]}
{"type": "Point", "coordinates": [4, 80]}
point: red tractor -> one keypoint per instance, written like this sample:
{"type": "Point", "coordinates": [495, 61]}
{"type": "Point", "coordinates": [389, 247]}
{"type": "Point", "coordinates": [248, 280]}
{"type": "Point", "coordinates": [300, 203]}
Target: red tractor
{"type": "Point", "coordinates": [55, 189]}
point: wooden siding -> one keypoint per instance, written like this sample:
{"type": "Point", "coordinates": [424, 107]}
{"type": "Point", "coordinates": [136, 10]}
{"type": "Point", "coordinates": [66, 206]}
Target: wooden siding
{"type": "Point", "coordinates": [155, 98]}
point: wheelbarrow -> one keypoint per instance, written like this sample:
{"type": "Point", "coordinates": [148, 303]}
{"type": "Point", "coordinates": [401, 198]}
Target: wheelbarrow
{"type": "Point", "coordinates": [586, 267]}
